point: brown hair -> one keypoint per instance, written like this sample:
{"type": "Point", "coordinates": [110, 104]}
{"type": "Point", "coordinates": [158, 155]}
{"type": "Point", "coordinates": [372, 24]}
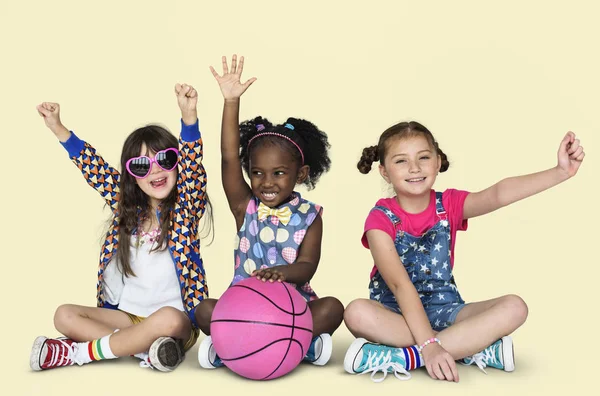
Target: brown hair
{"type": "Point", "coordinates": [399, 131]}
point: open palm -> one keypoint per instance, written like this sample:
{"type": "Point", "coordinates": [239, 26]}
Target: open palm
{"type": "Point", "coordinates": [230, 82]}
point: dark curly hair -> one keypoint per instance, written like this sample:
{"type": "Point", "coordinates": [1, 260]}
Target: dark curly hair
{"type": "Point", "coordinates": [399, 131]}
{"type": "Point", "coordinates": [312, 141]}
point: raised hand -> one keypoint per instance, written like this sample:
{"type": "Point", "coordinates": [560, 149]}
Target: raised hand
{"type": "Point", "coordinates": [230, 82]}
{"type": "Point", "coordinates": [570, 154]}
{"type": "Point", "coordinates": [187, 99]}
{"type": "Point", "coordinates": [50, 112]}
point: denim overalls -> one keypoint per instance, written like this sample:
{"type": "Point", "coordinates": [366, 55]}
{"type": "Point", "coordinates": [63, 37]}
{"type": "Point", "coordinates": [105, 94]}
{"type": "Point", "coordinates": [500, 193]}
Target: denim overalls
{"type": "Point", "coordinates": [427, 262]}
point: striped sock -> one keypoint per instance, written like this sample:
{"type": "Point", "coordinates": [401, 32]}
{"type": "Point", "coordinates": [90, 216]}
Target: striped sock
{"type": "Point", "coordinates": [95, 350]}
{"type": "Point", "coordinates": [413, 360]}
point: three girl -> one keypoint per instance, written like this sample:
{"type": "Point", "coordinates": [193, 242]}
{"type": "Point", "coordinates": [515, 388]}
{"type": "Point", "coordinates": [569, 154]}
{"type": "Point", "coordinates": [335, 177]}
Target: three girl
{"type": "Point", "coordinates": [151, 274]}
{"type": "Point", "coordinates": [278, 231]}
{"type": "Point", "coordinates": [415, 315]}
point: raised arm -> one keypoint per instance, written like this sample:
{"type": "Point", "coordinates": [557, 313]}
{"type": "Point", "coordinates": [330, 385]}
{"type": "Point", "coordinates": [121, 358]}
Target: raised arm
{"type": "Point", "coordinates": [191, 180]}
{"type": "Point", "coordinates": [98, 173]}
{"type": "Point", "coordinates": [237, 191]}
{"type": "Point", "coordinates": [513, 189]}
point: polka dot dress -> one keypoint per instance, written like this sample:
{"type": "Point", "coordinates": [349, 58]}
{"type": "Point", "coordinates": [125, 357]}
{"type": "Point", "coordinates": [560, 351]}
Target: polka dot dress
{"type": "Point", "coordinates": [268, 243]}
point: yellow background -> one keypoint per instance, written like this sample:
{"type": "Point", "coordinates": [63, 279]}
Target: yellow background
{"type": "Point", "coordinates": [498, 83]}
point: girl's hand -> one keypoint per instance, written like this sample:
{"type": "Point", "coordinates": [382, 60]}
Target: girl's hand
{"type": "Point", "coordinates": [50, 112]}
{"type": "Point", "coordinates": [187, 98]}
{"type": "Point", "coordinates": [269, 274]}
{"type": "Point", "coordinates": [440, 364]}
{"type": "Point", "coordinates": [229, 82]}
{"type": "Point", "coordinates": [570, 154]}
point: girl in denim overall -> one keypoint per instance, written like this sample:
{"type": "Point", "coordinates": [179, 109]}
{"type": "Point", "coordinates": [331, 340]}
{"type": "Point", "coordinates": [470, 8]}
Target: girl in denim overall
{"type": "Point", "coordinates": [415, 315]}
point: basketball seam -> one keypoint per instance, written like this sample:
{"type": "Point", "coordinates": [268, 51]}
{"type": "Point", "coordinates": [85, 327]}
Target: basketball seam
{"type": "Point", "coordinates": [291, 335]}
{"type": "Point", "coordinates": [259, 322]}
{"type": "Point", "coordinates": [272, 302]}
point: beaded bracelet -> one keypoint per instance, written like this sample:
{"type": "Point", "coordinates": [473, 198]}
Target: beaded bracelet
{"type": "Point", "coordinates": [429, 341]}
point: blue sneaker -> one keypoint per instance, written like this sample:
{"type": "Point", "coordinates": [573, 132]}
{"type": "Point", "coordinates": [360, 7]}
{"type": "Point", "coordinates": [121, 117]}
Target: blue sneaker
{"type": "Point", "coordinates": [365, 357]}
{"type": "Point", "coordinates": [207, 357]}
{"type": "Point", "coordinates": [320, 349]}
{"type": "Point", "coordinates": [499, 355]}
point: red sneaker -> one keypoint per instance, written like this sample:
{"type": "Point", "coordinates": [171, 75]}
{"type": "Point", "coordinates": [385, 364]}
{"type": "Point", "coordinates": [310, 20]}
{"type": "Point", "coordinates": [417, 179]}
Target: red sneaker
{"type": "Point", "coordinates": [49, 353]}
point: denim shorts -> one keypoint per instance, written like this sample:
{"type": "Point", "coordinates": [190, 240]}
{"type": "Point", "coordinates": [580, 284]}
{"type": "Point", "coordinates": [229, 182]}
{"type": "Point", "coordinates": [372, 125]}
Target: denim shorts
{"type": "Point", "coordinates": [440, 316]}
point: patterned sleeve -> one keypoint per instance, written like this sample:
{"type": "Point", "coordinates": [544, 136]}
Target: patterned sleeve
{"type": "Point", "coordinates": [98, 173]}
{"type": "Point", "coordinates": [191, 180]}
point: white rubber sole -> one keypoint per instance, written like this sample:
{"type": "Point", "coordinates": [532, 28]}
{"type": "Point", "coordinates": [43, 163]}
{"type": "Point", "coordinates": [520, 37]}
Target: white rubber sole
{"type": "Point", "coordinates": [508, 354]}
{"type": "Point", "coordinates": [326, 350]}
{"type": "Point", "coordinates": [352, 354]}
{"type": "Point", "coordinates": [36, 350]}
{"type": "Point", "coordinates": [153, 355]}
{"type": "Point", "coordinates": [203, 353]}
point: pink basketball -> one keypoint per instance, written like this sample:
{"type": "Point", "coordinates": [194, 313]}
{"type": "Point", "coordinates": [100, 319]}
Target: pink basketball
{"type": "Point", "coordinates": [261, 330]}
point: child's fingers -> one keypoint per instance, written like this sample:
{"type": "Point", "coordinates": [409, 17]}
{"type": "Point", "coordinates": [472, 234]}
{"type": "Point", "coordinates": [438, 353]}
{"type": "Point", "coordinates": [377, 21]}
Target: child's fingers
{"type": "Point", "coordinates": [177, 88]}
{"type": "Point", "coordinates": [565, 142]}
{"type": "Point", "coordinates": [580, 157]}
{"type": "Point", "coordinates": [573, 146]}
{"type": "Point", "coordinates": [240, 68]}
{"type": "Point", "coordinates": [445, 367]}
{"type": "Point", "coordinates": [577, 153]}
{"type": "Point", "coordinates": [430, 371]}
{"type": "Point", "coordinates": [50, 106]}
{"type": "Point", "coordinates": [43, 111]}
{"type": "Point", "coordinates": [452, 367]}
{"type": "Point", "coordinates": [214, 72]}
{"type": "Point", "coordinates": [224, 62]}
{"type": "Point", "coordinates": [192, 93]}
{"type": "Point", "coordinates": [437, 371]}
{"type": "Point", "coordinates": [249, 82]}
{"type": "Point", "coordinates": [234, 63]}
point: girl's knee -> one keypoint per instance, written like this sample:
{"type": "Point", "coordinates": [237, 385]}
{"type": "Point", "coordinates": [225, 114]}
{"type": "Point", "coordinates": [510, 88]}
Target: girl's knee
{"type": "Point", "coordinates": [333, 307]}
{"type": "Point", "coordinates": [355, 313]}
{"type": "Point", "coordinates": [517, 308]}
{"type": "Point", "coordinates": [169, 321]}
{"type": "Point", "coordinates": [63, 317]}
{"type": "Point", "coordinates": [203, 314]}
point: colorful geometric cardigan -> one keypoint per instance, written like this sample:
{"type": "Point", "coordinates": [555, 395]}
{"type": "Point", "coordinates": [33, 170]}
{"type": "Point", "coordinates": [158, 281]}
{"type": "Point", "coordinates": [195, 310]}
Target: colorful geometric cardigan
{"type": "Point", "coordinates": [183, 242]}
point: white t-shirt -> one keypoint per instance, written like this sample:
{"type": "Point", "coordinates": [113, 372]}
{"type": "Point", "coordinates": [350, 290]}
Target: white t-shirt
{"type": "Point", "coordinates": [155, 284]}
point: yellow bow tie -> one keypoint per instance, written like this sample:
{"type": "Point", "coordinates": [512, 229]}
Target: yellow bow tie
{"type": "Point", "coordinates": [283, 214]}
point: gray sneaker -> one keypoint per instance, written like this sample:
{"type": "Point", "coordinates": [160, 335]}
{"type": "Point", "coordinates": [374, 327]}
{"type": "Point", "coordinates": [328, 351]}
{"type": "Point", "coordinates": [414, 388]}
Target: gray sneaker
{"type": "Point", "coordinates": [166, 354]}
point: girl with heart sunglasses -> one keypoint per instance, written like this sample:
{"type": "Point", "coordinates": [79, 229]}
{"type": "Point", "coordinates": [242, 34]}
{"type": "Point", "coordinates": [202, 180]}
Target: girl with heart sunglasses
{"type": "Point", "coordinates": [156, 211]}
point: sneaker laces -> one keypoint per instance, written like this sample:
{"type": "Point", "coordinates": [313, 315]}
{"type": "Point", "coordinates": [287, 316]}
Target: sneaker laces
{"type": "Point", "coordinates": [71, 353]}
{"type": "Point", "coordinates": [383, 362]}
{"type": "Point", "coordinates": [484, 358]}
{"type": "Point", "coordinates": [145, 360]}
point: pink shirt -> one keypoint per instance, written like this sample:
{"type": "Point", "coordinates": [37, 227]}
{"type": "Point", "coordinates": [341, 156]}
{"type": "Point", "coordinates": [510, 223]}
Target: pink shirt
{"type": "Point", "coordinates": [417, 224]}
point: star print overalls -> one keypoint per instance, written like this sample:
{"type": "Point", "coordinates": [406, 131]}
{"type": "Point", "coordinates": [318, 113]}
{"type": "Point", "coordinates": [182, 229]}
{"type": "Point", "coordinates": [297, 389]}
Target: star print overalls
{"type": "Point", "coordinates": [427, 262]}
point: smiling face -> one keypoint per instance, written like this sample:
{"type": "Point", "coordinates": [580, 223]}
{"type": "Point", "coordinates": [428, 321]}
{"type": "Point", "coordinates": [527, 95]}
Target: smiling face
{"type": "Point", "coordinates": [411, 165]}
{"type": "Point", "coordinates": [274, 173]}
{"type": "Point", "coordinates": [159, 183]}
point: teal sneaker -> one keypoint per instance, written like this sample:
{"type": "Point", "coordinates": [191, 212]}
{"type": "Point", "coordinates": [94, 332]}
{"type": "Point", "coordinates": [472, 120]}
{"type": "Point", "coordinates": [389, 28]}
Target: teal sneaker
{"type": "Point", "coordinates": [320, 349]}
{"type": "Point", "coordinates": [499, 355]}
{"type": "Point", "coordinates": [365, 357]}
{"type": "Point", "coordinates": [207, 357]}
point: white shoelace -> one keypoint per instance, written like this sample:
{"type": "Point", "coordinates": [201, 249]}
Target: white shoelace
{"type": "Point", "coordinates": [71, 353]}
{"type": "Point", "coordinates": [145, 363]}
{"type": "Point", "coordinates": [482, 359]}
{"type": "Point", "coordinates": [381, 363]}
